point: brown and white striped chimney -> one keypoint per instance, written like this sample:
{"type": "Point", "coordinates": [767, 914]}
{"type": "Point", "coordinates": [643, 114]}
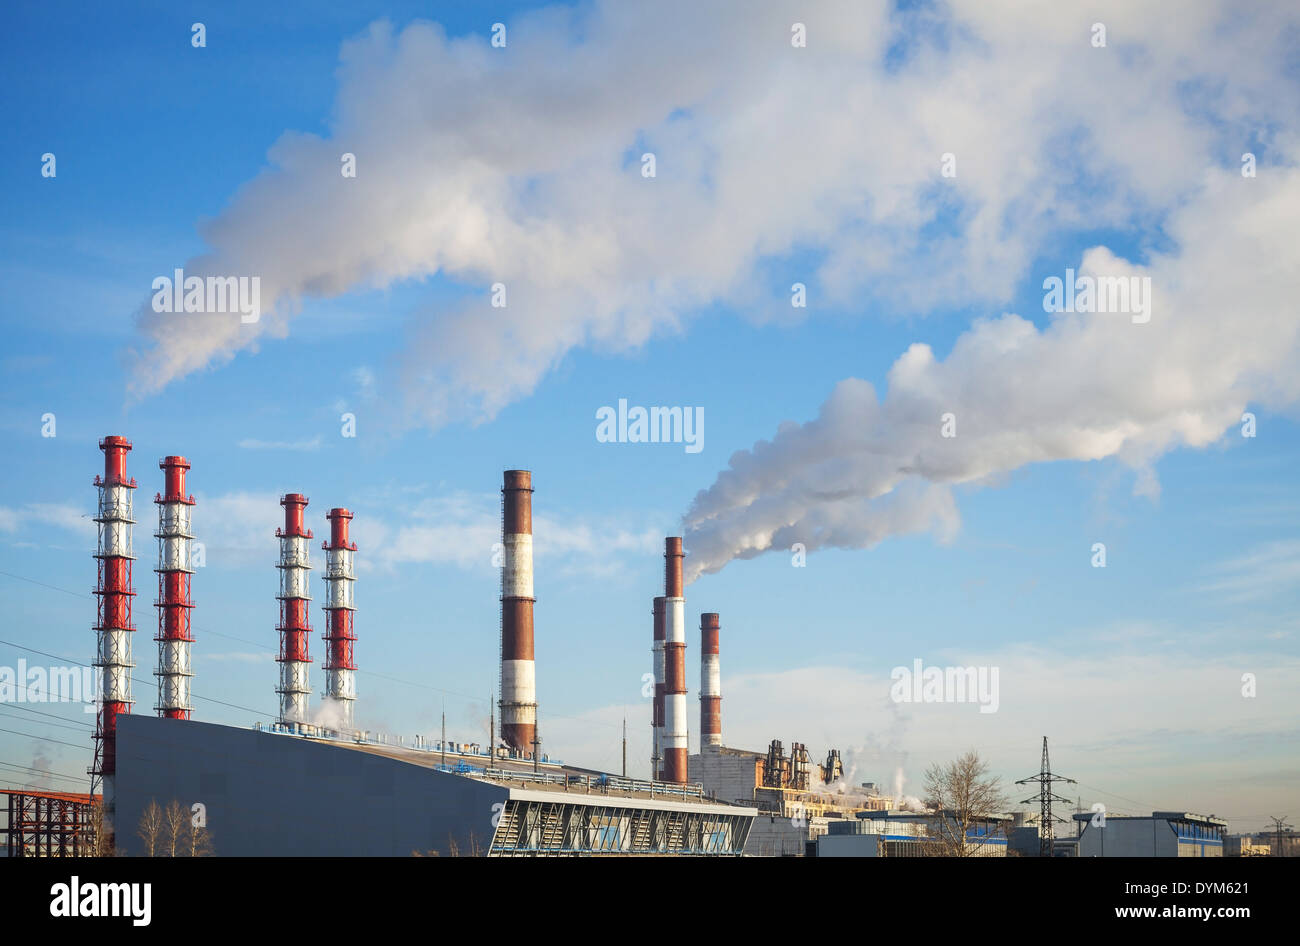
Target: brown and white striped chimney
{"type": "Point", "coordinates": [657, 713]}
{"type": "Point", "coordinates": [518, 674]}
{"type": "Point", "coordinates": [674, 743]}
{"type": "Point", "coordinates": [710, 682]}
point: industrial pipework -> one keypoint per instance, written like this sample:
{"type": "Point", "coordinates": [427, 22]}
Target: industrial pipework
{"type": "Point", "coordinates": [174, 602]}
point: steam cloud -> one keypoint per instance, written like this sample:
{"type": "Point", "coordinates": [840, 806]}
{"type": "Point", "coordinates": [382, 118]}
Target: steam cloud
{"type": "Point", "coordinates": [1086, 386]}
{"type": "Point", "coordinates": [522, 166]}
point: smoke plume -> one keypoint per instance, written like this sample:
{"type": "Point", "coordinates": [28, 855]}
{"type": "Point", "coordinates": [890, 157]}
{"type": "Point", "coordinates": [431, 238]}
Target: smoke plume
{"type": "Point", "coordinates": [524, 166]}
{"type": "Point", "coordinates": [1222, 336]}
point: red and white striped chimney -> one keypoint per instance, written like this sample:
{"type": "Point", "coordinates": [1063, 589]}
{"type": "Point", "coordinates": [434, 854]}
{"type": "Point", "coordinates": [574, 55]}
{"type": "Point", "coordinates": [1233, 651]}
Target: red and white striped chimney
{"type": "Point", "coordinates": [340, 608]}
{"type": "Point", "coordinates": [174, 602]}
{"type": "Point", "coordinates": [518, 667]}
{"type": "Point", "coordinates": [710, 681]}
{"type": "Point", "coordinates": [675, 742]}
{"type": "Point", "coordinates": [657, 713]}
{"type": "Point", "coordinates": [295, 624]}
{"type": "Point", "coordinates": [113, 624]}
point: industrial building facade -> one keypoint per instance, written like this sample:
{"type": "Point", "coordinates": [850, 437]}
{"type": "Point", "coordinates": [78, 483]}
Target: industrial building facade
{"type": "Point", "coordinates": [273, 794]}
{"type": "Point", "coordinates": [1163, 834]}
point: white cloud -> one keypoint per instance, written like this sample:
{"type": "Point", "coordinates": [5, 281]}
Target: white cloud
{"type": "Point", "coordinates": [1262, 573]}
{"type": "Point", "coordinates": [461, 529]}
{"type": "Point", "coordinates": [65, 516]}
{"type": "Point", "coordinates": [238, 528]}
{"type": "Point", "coordinates": [1222, 336]}
{"type": "Point", "coordinates": [523, 167]}
{"type": "Point", "coordinates": [1124, 721]}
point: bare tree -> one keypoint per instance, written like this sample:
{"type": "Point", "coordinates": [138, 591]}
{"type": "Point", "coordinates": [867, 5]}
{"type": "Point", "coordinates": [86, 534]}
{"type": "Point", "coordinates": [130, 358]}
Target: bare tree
{"type": "Point", "coordinates": [176, 821]}
{"type": "Point", "coordinates": [197, 840]}
{"type": "Point", "coordinates": [965, 797]}
{"type": "Point", "coordinates": [101, 843]}
{"type": "Point", "coordinates": [151, 828]}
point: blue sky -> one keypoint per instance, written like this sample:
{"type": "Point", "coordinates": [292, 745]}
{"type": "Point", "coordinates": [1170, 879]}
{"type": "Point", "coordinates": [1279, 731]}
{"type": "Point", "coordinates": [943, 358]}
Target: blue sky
{"type": "Point", "coordinates": [1133, 670]}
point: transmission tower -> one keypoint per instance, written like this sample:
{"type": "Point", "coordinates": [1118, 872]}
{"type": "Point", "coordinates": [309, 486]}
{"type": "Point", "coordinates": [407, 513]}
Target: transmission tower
{"type": "Point", "coordinates": [1280, 825]}
{"type": "Point", "coordinates": [1045, 797]}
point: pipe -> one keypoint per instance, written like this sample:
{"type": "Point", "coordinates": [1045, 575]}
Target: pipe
{"type": "Point", "coordinates": [295, 624]}
{"type": "Point", "coordinates": [340, 609]}
{"type": "Point", "coordinates": [710, 681]}
{"type": "Point", "coordinates": [175, 604]}
{"type": "Point", "coordinates": [518, 662]}
{"type": "Point", "coordinates": [675, 737]}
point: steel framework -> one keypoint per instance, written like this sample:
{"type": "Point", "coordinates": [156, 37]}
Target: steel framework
{"type": "Point", "coordinates": [567, 828]}
{"type": "Point", "coordinates": [49, 824]}
{"type": "Point", "coordinates": [174, 600]}
{"type": "Point", "coordinates": [114, 592]}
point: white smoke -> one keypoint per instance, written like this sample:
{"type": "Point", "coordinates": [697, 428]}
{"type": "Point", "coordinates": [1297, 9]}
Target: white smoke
{"type": "Point", "coordinates": [904, 802]}
{"type": "Point", "coordinates": [523, 166]}
{"type": "Point", "coordinates": [328, 714]}
{"type": "Point", "coordinates": [1223, 336]}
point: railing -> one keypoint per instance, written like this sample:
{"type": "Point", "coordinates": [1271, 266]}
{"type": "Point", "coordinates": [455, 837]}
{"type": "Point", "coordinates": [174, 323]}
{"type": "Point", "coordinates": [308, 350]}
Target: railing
{"type": "Point", "coordinates": [600, 783]}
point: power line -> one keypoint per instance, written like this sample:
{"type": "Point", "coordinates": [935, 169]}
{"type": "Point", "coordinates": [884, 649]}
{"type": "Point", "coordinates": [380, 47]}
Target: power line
{"type": "Point", "coordinates": [43, 723]}
{"type": "Point", "coordinates": [44, 738]}
{"type": "Point", "coordinates": [244, 640]}
{"type": "Point", "coordinates": [196, 696]}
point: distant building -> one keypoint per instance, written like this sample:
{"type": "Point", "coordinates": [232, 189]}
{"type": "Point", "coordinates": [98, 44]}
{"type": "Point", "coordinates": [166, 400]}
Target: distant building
{"type": "Point", "coordinates": [1262, 844]}
{"type": "Point", "coordinates": [1162, 834]}
{"type": "Point", "coordinates": [908, 834]}
{"type": "Point", "coordinates": [1246, 845]}
{"type": "Point", "coordinates": [797, 800]}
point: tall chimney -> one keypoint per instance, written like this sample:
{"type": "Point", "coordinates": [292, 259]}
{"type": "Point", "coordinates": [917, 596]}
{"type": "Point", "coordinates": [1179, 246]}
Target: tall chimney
{"type": "Point", "coordinates": [113, 622]}
{"type": "Point", "coordinates": [518, 669]}
{"type": "Point", "coordinates": [657, 712]}
{"type": "Point", "coordinates": [710, 682]}
{"type": "Point", "coordinates": [674, 743]}
{"type": "Point", "coordinates": [340, 608]}
{"type": "Point", "coordinates": [174, 602]}
{"type": "Point", "coordinates": [295, 624]}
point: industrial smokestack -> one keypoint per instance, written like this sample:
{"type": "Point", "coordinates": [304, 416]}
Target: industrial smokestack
{"type": "Point", "coordinates": [675, 746]}
{"type": "Point", "coordinates": [657, 713]}
{"type": "Point", "coordinates": [295, 625]}
{"type": "Point", "coordinates": [340, 607]}
{"type": "Point", "coordinates": [710, 682]}
{"type": "Point", "coordinates": [113, 623]}
{"type": "Point", "coordinates": [174, 602]}
{"type": "Point", "coordinates": [518, 669]}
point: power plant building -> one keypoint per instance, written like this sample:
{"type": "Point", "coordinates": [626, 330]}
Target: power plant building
{"type": "Point", "coordinates": [1162, 834]}
{"type": "Point", "coordinates": [276, 793]}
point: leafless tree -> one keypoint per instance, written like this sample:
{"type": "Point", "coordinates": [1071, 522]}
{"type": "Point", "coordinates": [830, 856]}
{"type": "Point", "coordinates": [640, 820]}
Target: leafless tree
{"type": "Point", "coordinates": [101, 844]}
{"type": "Point", "coordinates": [197, 840]}
{"type": "Point", "coordinates": [176, 821]}
{"type": "Point", "coordinates": [151, 828]}
{"type": "Point", "coordinates": [965, 797]}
